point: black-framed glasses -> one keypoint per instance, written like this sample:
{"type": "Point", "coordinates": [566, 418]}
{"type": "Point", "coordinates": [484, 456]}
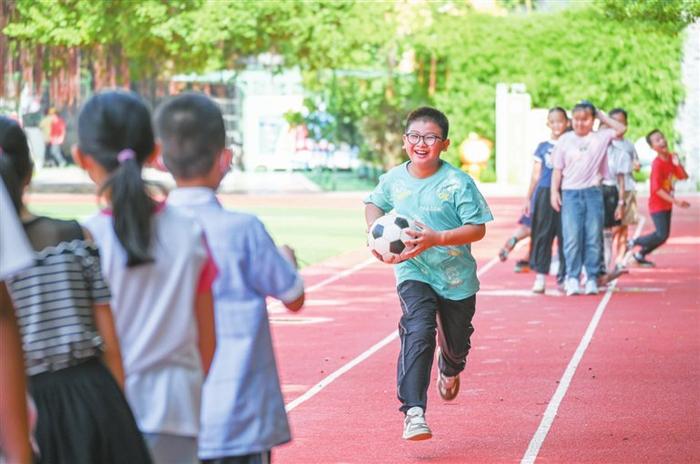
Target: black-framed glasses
{"type": "Point", "coordinates": [429, 139]}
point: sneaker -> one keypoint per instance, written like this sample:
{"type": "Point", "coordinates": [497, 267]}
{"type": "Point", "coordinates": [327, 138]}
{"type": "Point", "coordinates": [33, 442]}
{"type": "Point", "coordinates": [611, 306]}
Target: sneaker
{"type": "Point", "coordinates": [642, 261]}
{"type": "Point", "coordinates": [414, 426]}
{"type": "Point", "coordinates": [572, 287]}
{"type": "Point", "coordinates": [448, 387]}
{"type": "Point", "coordinates": [629, 245]}
{"type": "Point", "coordinates": [538, 286]}
{"type": "Point", "coordinates": [591, 287]}
{"type": "Point", "coordinates": [522, 265]}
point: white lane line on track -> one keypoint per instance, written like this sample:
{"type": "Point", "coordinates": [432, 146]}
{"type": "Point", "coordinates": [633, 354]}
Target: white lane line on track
{"type": "Point", "coordinates": [313, 391]}
{"type": "Point", "coordinates": [550, 413]}
{"type": "Point", "coordinates": [276, 306]}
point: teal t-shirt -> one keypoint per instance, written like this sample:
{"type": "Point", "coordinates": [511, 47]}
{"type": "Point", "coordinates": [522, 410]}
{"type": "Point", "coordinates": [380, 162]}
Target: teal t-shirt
{"type": "Point", "coordinates": [446, 200]}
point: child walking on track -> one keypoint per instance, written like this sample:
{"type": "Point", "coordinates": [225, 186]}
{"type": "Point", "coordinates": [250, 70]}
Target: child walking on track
{"type": "Point", "coordinates": [580, 162]}
{"type": "Point", "coordinates": [665, 169]}
{"type": "Point", "coordinates": [160, 272]}
{"type": "Point", "coordinates": [243, 414]}
{"type": "Point", "coordinates": [71, 351]}
{"type": "Point", "coordinates": [436, 273]}
{"type": "Point", "coordinates": [546, 223]}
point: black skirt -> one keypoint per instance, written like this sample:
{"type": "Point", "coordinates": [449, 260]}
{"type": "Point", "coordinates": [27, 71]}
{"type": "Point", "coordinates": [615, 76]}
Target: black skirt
{"type": "Point", "coordinates": [83, 417]}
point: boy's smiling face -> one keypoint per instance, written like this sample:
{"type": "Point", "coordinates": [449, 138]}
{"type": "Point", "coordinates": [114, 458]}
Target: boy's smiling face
{"type": "Point", "coordinates": [658, 142]}
{"type": "Point", "coordinates": [425, 159]}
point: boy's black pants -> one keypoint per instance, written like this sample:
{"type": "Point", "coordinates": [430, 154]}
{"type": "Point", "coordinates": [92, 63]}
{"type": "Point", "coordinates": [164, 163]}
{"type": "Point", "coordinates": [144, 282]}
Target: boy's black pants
{"type": "Point", "coordinates": [546, 224]}
{"type": "Point", "coordinates": [652, 241]}
{"type": "Point", "coordinates": [424, 313]}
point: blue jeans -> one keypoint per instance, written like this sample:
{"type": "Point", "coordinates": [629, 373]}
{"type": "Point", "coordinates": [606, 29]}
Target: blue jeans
{"type": "Point", "coordinates": [582, 228]}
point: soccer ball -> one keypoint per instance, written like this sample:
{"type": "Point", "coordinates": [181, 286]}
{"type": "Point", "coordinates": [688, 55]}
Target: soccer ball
{"type": "Point", "coordinates": [387, 236]}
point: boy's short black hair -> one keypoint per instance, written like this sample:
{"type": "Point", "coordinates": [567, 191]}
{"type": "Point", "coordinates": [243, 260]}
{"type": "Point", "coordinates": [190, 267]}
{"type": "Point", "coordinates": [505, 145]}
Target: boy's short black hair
{"type": "Point", "coordinates": [654, 131]}
{"type": "Point", "coordinates": [615, 111]}
{"type": "Point", "coordinates": [192, 133]}
{"type": "Point", "coordinates": [584, 105]}
{"type": "Point", "coordinates": [429, 114]}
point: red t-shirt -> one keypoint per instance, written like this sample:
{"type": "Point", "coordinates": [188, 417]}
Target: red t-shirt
{"type": "Point", "coordinates": [663, 174]}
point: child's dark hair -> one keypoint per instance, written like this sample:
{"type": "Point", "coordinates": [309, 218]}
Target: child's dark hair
{"type": "Point", "coordinates": [192, 132]}
{"type": "Point", "coordinates": [615, 111]}
{"type": "Point", "coordinates": [429, 114]}
{"type": "Point", "coordinates": [114, 128]}
{"type": "Point", "coordinates": [555, 109]}
{"type": "Point", "coordinates": [648, 137]}
{"type": "Point", "coordinates": [15, 162]}
{"type": "Point", "coordinates": [584, 105]}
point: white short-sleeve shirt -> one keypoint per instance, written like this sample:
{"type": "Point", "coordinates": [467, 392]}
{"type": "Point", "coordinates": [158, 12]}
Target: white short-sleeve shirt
{"type": "Point", "coordinates": [153, 307]}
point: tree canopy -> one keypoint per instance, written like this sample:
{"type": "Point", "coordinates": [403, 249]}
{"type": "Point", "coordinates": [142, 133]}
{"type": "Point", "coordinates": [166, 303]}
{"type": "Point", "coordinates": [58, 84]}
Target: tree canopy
{"type": "Point", "coordinates": [366, 63]}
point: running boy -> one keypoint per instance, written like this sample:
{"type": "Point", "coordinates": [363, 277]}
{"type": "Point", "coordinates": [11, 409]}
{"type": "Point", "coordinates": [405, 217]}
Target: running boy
{"type": "Point", "coordinates": [665, 168]}
{"type": "Point", "coordinates": [436, 273]}
{"type": "Point", "coordinates": [579, 165]}
{"type": "Point", "coordinates": [243, 415]}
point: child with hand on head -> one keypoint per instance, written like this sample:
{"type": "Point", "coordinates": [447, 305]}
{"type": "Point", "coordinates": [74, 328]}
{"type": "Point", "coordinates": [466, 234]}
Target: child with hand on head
{"type": "Point", "coordinates": [618, 198]}
{"type": "Point", "coordinates": [159, 269]}
{"type": "Point", "coordinates": [546, 223]}
{"type": "Point", "coordinates": [436, 272]}
{"type": "Point", "coordinates": [665, 169]}
{"type": "Point", "coordinates": [71, 351]}
{"type": "Point", "coordinates": [579, 165]}
{"type": "Point", "coordinates": [243, 413]}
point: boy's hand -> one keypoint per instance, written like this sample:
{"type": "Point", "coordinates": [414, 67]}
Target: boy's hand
{"type": "Point", "coordinates": [681, 203]}
{"type": "Point", "coordinates": [389, 260]}
{"type": "Point", "coordinates": [288, 253]}
{"type": "Point", "coordinates": [420, 241]}
{"type": "Point", "coordinates": [555, 200]}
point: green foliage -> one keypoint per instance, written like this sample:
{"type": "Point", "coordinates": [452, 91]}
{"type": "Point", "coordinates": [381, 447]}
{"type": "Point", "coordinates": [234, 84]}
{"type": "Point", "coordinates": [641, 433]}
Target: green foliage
{"type": "Point", "coordinates": [369, 63]}
{"type": "Point", "coordinates": [562, 58]}
{"type": "Point", "coordinates": [673, 15]}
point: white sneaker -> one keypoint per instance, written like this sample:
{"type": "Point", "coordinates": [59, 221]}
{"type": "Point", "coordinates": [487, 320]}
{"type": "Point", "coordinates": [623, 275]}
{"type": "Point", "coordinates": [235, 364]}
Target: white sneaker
{"type": "Point", "coordinates": [414, 426]}
{"type": "Point", "coordinates": [538, 286]}
{"type": "Point", "coordinates": [591, 287]}
{"type": "Point", "coordinates": [572, 287]}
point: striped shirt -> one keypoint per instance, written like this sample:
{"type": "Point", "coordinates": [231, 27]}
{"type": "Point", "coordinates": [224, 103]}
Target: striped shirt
{"type": "Point", "coordinates": [54, 302]}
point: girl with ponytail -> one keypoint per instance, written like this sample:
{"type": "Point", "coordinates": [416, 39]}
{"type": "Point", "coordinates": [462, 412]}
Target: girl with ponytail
{"type": "Point", "coordinates": [157, 264]}
{"type": "Point", "coordinates": [71, 351]}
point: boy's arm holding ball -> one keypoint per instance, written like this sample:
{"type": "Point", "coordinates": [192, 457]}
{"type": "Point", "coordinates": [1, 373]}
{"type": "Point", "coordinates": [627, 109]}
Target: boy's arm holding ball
{"type": "Point", "coordinates": [426, 238]}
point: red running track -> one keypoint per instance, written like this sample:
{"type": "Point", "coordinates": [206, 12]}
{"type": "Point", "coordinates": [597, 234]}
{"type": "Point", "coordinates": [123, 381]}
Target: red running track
{"type": "Point", "coordinates": [633, 396]}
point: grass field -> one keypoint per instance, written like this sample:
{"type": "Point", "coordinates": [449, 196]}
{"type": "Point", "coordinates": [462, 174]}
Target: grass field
{"type": "Point", "coordinates": [317, 227]}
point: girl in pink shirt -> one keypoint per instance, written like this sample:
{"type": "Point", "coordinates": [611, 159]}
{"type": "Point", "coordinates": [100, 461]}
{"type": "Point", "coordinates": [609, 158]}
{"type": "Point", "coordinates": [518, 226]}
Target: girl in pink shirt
{"type": "Point", "coordinates": [580, 160]}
